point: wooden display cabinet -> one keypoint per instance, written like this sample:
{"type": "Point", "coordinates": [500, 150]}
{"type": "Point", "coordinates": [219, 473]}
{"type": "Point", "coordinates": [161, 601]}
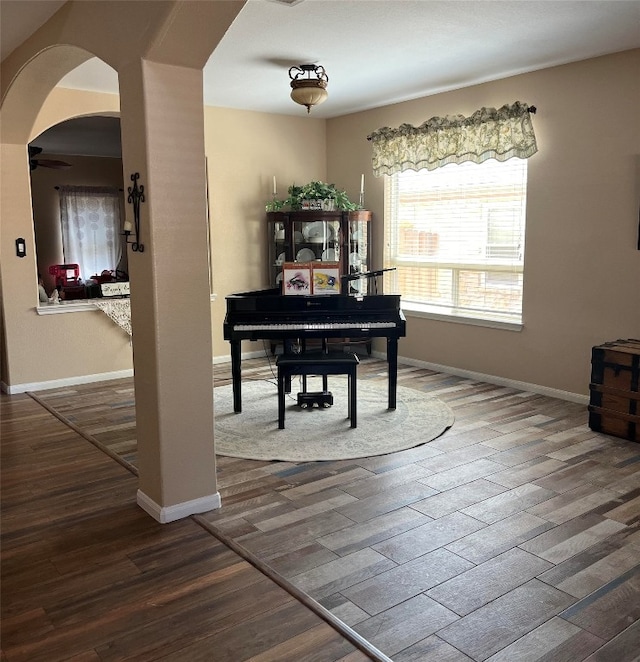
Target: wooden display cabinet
{"type": "Point", "coordinates": [330, 236]}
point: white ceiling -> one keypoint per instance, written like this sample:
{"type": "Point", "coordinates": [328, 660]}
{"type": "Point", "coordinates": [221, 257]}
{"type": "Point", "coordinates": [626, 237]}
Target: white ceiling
{"type": "Point", "coordinates": [376, 52]}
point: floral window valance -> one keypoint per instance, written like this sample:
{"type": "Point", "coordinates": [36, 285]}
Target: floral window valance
{"type": "Point", "coordinates": [487, 134]}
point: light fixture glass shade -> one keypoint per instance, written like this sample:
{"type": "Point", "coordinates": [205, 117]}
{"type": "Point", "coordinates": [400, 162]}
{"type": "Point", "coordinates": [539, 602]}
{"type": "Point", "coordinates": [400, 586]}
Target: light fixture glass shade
{"type": "Point", "coordinates": [308, 93]}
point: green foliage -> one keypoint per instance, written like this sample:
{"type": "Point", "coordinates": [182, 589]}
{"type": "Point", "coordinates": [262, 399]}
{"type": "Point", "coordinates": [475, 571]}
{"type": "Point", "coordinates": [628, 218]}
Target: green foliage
{"type": "Point", "coordinates": [313, 191]}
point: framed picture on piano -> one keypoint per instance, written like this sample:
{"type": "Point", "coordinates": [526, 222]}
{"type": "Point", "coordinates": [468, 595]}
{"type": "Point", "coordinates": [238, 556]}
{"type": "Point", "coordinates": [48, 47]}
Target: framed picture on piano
{"type": "Point", "coordinates": [296, 279]}
{"type": "Point", "coordinates": [325, 278]}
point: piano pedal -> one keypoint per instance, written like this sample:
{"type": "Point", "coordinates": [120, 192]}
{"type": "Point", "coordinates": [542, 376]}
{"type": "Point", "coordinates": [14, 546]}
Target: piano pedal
{"type": "Point", "coordinates": [323, 399]}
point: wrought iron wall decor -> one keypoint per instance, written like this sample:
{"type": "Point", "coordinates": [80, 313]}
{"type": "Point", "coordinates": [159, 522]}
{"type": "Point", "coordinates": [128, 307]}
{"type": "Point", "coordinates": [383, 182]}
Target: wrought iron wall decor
{"type": "Point", "coordinates": [135, 197]}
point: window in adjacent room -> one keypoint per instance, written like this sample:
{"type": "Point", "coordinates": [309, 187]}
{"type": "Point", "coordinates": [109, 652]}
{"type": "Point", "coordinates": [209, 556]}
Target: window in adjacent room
{"type": "Point", "coordinates": [90, 219]}
{"type": "Point", "coordinates": [456, 238]}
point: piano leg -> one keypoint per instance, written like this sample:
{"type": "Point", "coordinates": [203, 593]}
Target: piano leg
{"type": "Point", "coordinates": [236, 375]}
{"type": "Point", "coordinates": [392, 361]}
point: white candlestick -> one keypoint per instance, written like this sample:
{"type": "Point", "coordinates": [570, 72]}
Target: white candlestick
{"type": "Point", "coordinates": [275, 190]}
{"type": "Point", "coordinates": [362, 184]}
{"type": "Point", "coordinates": [127, 226]}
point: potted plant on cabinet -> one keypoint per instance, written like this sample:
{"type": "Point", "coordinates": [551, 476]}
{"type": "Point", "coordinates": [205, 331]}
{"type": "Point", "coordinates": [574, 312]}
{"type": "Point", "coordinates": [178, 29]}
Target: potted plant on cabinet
{"type": "Point", "coordinates": [314, 195]}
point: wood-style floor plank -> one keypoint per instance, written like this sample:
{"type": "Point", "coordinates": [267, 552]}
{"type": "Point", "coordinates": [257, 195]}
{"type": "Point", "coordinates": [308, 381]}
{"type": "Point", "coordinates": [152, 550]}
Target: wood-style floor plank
{"type": "Point", "coordinates": [87, 575]}
{"type": "Point", "coordinates": [513, 537]}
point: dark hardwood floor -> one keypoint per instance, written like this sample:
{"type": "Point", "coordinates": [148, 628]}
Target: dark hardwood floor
{"type": "Point", "coordinates": [87, 575]}
{"type": "Point", "coordinates": [515, 536]}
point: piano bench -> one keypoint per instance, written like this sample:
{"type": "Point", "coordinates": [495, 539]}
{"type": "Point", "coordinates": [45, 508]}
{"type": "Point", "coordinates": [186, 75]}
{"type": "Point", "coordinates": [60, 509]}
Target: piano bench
{"type": "Point", "coordinates": [317, 363]}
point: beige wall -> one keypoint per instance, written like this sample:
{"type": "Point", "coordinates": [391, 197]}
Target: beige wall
{"type": "Point", "coordinates": [582, 266]}
{"type": "Point", "coordinates": [51, 347]}
{"type": "Point", "coordinates": [245, 150]}
{"type": "Point", "coordinates": [63, 103]}
{"type": "Point", "coordinates": [65, 346]}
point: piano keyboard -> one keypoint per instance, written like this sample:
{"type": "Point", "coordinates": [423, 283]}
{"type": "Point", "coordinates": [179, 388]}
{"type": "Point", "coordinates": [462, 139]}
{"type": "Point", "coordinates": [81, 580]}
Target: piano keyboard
{"type": "Point", "coordinates": [314, 326]}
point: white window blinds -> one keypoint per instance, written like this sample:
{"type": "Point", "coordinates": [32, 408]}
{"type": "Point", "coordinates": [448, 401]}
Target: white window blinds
{"type": "Point", "coordinates": [456, 238]}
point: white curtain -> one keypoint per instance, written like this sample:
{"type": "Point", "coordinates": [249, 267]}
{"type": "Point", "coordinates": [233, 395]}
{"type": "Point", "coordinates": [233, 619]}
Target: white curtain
{"type": "Point", "coordinates": [487, 134]}
{"type": "Point", "coordinates": [91, 227]}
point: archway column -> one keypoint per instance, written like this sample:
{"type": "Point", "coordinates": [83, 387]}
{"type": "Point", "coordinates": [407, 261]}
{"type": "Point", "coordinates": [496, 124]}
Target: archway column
{"type": "Point", "coordinates": [163, 140]}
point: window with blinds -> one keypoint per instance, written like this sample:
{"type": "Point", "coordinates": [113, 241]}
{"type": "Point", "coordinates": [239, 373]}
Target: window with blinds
{"type": "Point", "coordinates": [455, 236]}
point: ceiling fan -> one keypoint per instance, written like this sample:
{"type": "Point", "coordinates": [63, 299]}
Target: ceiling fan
{"type": "Point", "coordinates": [44, 163]}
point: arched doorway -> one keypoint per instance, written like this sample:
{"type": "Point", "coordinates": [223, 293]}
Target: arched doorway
{"type": "Point", "coordinates": [160, 72]}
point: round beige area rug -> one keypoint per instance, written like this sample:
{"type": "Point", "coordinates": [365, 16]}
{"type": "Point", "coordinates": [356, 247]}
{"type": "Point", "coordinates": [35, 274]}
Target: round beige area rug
{"type": "Point", "coordinates": [318, 434]}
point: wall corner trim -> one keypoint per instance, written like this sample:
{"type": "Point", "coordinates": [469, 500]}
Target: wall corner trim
{"type": "Point", "coordinates": [166, 514]}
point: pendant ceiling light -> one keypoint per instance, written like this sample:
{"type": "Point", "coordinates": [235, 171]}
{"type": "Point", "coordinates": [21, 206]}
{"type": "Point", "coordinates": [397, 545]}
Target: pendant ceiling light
{"type": "Point", "coordinates": [308, 85]}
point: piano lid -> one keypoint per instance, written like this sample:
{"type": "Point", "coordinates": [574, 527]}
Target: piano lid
{"type": "Point", "coordinates": [271, 291]}
{"type": "Point", "coordinates": [273, 300]}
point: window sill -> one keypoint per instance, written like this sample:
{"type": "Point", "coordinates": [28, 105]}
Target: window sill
{"type": "Point", "coordinates": [77, 306]}
{"type": "Point", "coordinates": [424, 313]}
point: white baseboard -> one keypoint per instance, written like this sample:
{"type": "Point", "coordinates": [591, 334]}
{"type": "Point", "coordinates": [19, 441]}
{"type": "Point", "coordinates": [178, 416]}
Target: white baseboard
{"type": "Point", "coordinates": [493, 379]}
{"type": "Point", "coordinates": [459, 372]}
{"type": "Point", "coordinates": [67, 381]}
{"type": "Point", "coordinates": [166, 514]}
{"type": "Point", "coordinates": [100, 377]}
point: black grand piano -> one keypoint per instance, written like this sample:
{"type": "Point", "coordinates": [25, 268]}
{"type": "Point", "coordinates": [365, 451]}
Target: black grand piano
{"type": "Point", "coordinates": [269, 315]}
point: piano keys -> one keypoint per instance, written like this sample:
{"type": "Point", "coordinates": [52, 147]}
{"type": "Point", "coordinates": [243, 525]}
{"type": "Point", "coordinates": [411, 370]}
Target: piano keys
{"type": "Point", "coordinates": [313, 326]}
{"type": "Point", "coordinates": [268, 315]}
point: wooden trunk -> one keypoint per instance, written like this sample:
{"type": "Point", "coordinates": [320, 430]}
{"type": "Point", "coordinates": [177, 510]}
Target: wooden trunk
{"type": "Point", "coordinates": [614, 406]}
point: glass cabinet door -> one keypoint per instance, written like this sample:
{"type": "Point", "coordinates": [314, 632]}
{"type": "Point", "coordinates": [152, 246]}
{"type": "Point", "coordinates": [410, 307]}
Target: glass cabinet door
{"type": "Point", "coordinates": [320, 236]}
{"type": "Point", "coordinates": [279, 242]}
{"type": "Point", "coordinates": [357, 247]}
{"type": "Point", "coordinates": [316, 238]}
